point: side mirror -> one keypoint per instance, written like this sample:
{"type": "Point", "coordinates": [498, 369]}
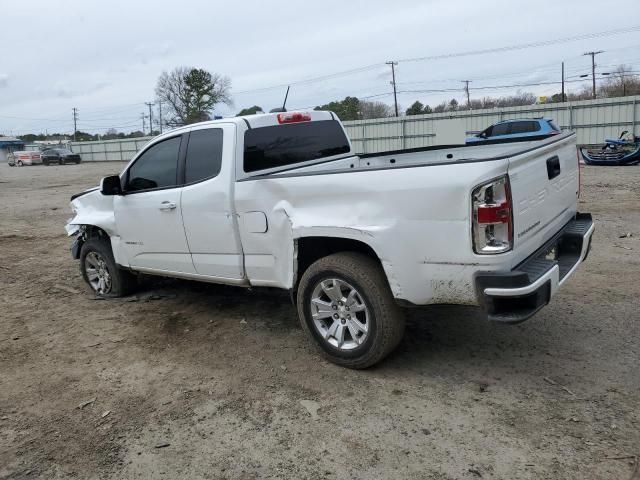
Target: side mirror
{"type": "Point", "coordinates": [111, 185]}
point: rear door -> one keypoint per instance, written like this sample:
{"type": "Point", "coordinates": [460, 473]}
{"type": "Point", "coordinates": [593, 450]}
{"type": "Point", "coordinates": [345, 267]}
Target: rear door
{"type": "Point", "coordinates": [207, 208]}
{"type": "Point", "coordinates": [544, 189]}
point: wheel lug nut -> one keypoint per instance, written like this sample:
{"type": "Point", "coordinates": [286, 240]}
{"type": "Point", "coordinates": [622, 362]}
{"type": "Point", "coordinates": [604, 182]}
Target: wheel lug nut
{"type": "Point", "coordinates": [340, 303]}
{"type": "Point", "coordinates": [335, 315]}
{"type": "Point", "coordinates": [343, 321]}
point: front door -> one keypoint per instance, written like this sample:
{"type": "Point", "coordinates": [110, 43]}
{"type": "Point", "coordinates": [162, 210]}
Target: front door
{"type": "Point", "coordinates": [148, 216]}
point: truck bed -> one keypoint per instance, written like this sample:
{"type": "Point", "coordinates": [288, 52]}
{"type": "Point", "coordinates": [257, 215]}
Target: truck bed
{"type": "Point", "coordinates": [424, 156]}
{"type": "Point", "coordinates": [372, 196]}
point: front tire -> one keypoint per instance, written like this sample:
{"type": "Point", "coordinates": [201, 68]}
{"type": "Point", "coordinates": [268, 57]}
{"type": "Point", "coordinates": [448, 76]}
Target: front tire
{"type": "Point", "coordinates": [346, 306]}
{"type": "Point", "coordinates": [100, 271]}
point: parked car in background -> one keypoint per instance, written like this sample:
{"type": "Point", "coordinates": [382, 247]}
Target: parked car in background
{"type": "Point", "coordinates": [24, 157]}
{"type": "Point", "coordinates": [510, 130]}
{"type": "Point", "coordinates": [59, 156]}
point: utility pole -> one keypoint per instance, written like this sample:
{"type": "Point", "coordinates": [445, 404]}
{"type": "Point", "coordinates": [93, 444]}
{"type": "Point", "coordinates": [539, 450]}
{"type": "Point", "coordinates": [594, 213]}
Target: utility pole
{"type": "Point", "coordinates": [466, 89]}
{"type": "Point", "coordinates": [150, 104]}
{"type": "Point", "coordinates": [144, 126]}
{"type": "Point", "coordinates": [160, 114]}
{"type": "Point", "coordinates": [393, 82]}
{"type": "Point", "coordinates": [75, 122]}
{"type": "Point", "coordinates": [562, 97]}
{"type": "Point", "coordinates": [593, 68]}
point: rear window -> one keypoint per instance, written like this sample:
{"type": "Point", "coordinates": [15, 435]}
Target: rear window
{"type": "Point", "coordinates": [204, 155]}
{"type": "Point", "coordinates": [283, 145]}
{"type": "Point", "coordinates": [554, 126]}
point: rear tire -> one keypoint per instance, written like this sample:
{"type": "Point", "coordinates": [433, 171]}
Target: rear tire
{"type": "Point", "coordinates": [346, 306]}
{"type": "Point", "coordinates": [100, 271]}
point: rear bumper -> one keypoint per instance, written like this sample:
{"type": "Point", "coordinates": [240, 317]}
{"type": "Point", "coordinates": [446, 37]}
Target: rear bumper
{"type": "Point", "coordinates": [514, 296]}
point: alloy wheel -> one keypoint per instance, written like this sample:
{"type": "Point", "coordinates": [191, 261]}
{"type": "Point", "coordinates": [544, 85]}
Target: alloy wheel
{"type": "Point", "coordinates": [340, 314]}
{"type": "Point", "coordinates": [97, 273]}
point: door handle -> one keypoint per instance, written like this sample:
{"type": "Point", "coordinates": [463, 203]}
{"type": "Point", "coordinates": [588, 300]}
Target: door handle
{"type": "Point", "coordinates": [166, 205]}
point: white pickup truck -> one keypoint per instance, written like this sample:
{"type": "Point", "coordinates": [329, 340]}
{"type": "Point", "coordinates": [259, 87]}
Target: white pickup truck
{"type": "Point", "coordinates": [280, 200]}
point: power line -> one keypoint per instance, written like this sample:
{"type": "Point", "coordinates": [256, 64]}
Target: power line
{"type": "Point", "coordinates": [312, 79]}
{"type": "Point", "coordinates": [584, 36]}
{"type": "Point", "coordinates": [544, 43]}
{"type": "Point", "coordinates": [490, 87]}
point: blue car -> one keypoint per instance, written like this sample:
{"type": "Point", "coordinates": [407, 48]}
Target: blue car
{"type": "Point", "coordinates": [536, 128]}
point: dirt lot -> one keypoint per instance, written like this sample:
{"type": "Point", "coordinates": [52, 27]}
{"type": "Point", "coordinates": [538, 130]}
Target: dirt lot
{"type": "Point", "coordinates": [191, 380]}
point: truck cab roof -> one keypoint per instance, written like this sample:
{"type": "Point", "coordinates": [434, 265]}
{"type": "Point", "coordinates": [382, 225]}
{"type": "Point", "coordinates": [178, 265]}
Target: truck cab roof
{"type": "Point", "coordinates": [263, 120]}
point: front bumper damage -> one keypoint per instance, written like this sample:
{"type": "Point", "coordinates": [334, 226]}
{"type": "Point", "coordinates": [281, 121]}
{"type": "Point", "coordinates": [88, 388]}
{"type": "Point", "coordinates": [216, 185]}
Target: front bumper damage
{"type": "Point", "coordinates": [515, 296]}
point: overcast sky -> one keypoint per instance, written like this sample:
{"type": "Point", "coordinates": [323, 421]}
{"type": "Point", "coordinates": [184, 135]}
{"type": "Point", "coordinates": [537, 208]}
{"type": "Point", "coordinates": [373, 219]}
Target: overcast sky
{"type": "Point", "coordinates": [105, 57]}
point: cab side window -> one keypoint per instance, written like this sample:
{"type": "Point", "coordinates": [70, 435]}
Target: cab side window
{"type": "Point", "coordinates": [500, 129]}
{"type": "Point", "coordinates": [204, 155]}
{"type": "Point", "coordinates": [157, 167]}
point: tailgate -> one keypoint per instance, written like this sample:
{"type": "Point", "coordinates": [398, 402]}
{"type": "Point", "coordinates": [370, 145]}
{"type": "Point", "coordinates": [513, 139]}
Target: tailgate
{"type": "Point", "coordinates": [544, 188]}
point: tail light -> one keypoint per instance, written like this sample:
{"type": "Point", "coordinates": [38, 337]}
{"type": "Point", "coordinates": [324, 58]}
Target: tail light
{"type": "Point", "coordinates": [492, 217]}
{"type": "Point", "coordinates": [294, 117]}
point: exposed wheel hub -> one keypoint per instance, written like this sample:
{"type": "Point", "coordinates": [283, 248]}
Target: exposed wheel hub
{"type": "Point", "coordinates": [339, 314]}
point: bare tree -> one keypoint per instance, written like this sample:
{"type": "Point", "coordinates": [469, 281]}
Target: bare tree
{"type": "Point", "coordinates": [191, 94]}
{"type": "Point", "coordinates": [621, 82]}
{"type": "Point", "coordinates": [441, 107]}
{"type": "Point", "coordinates": [373, 109]}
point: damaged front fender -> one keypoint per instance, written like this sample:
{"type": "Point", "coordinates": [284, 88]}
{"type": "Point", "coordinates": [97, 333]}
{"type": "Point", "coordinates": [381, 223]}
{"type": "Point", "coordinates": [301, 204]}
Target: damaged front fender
{"type": "Point", "coordinates": [93, 209]}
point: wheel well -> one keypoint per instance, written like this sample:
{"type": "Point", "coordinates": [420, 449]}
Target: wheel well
{"type": "Point", "coordinates": [311, 249]}
{"type": "Point", "coordinates": [91, 231]}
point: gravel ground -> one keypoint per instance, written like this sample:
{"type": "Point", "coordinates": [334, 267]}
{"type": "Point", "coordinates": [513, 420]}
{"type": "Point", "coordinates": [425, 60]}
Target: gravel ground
{"type": "Point", "coordinates": [190, 380]}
